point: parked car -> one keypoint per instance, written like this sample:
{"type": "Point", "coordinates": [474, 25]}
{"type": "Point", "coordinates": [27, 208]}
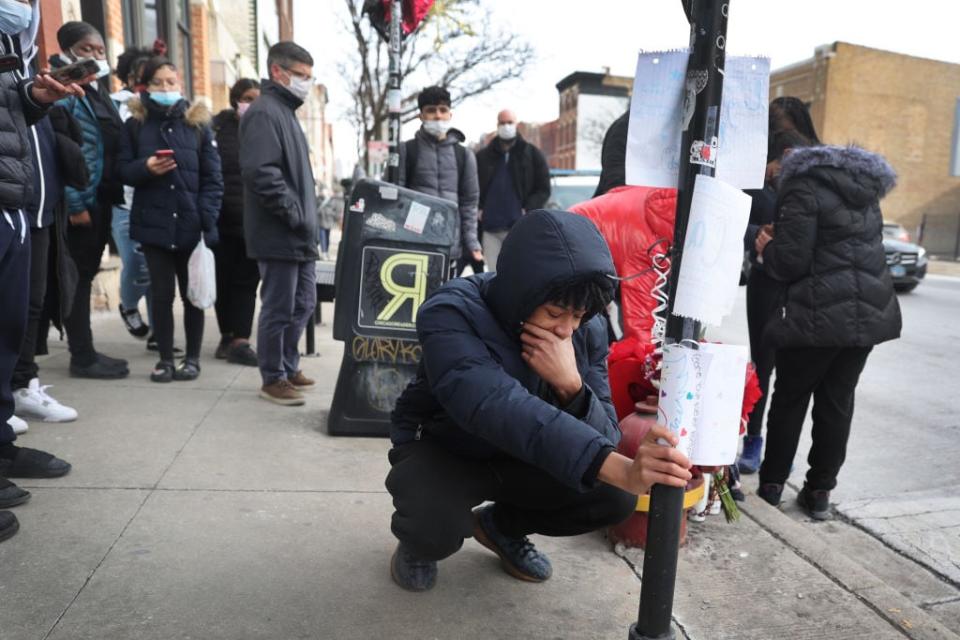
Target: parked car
{"type": "Point", "coordinates": [907, 262]}
{"type": "Point", "coordinates": [895, 231]}
{"type": "Point", "coordinates": [571, 186]}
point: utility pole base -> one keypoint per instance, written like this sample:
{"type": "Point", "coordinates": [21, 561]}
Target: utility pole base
{"type": "Point", "coordinates": [635, 635]}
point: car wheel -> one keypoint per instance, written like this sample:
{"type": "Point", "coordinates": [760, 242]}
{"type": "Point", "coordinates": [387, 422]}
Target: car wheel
{"type": "Point", "coordinates": [905, 288]}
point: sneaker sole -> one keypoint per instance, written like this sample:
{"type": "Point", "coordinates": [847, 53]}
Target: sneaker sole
{"type": "Point", "coordinates": [36, 416]}
{"type": "Point", "coordinates": [481, 536]}
{"type": "Point", "coordinates": [292, 402]}
{"type": "Point", "coordinates": [396, 580]}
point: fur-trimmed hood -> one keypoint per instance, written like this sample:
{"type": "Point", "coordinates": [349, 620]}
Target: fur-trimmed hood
{"type": "Point", "coordinates": [860, 174]}
{"type": "Point", "coordinates": [196, 115]}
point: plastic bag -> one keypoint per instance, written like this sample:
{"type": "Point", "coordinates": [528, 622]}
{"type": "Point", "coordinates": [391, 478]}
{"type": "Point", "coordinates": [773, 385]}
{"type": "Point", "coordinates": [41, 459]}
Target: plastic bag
{"type": "Point", "coordinates": [202, 277]}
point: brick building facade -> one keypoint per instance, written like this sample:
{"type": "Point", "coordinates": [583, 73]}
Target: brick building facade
{"type": "Point", "coordinates": [898, 105]}
{"type": "Point", "coordinates": [213, 42]}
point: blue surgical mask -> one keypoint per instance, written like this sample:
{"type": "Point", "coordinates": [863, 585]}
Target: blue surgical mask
{"type": "Point", "coordinates": [14, 16]}
{"type": "Point", "coordinates": [166, 98]}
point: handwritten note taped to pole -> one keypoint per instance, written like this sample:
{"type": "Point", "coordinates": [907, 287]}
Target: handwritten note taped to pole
{"type": "Point", "coordinates": [681, 381]}
{"type": "Point", "coordinates": [712, 251]}
{"type": "Point", "coordinates": [661, 108]}
{"type": "Point", "coordinates": [717, 431]}
{"type": "Point", "coordinates": [701, 399]}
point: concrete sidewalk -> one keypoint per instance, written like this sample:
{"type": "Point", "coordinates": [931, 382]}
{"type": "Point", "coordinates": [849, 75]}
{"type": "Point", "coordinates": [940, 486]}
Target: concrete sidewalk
{"type": "Point", "coordinates": [197, 510]}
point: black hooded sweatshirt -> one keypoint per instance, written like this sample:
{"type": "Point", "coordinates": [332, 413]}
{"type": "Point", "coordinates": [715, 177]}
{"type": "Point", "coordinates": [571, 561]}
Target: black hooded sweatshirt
{"type": "Point", "coordinates": [473, 393]}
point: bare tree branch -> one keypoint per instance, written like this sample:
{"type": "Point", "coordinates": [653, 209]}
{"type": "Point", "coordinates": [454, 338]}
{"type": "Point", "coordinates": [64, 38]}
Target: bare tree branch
{"type": "Point", "coordinates": [459, 46]}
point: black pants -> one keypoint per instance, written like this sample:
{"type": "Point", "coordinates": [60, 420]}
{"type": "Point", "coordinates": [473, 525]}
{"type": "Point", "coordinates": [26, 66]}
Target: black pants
{"type": "Point", "coordinates": [762, 302]}
{"type": "Point", "coordinates": [830, 375]}
{"type": "Point", "coordinates": [167, 269]}
{"type": "Point", "coordinates": [237, 280]}
{"type": "Point", "coordinates": [14, 300]}
{"type": "Point", "coordinates": [466, 259]}
{"type": "Point", "coordinates": [26, 368]}
{"type": "Point", "coordinates": [434, 491]}
{"type": "Point", "coordinates": [86, 246]}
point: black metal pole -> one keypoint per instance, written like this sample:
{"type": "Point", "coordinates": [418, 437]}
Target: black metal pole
{"type": "Point", "coordinates": [393, 93]}
{"type": "Point", "coordinates": [708, 28]}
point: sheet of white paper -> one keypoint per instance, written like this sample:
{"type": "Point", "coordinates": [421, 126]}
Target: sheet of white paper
{"type": "Point", "coordinates": [659, 113]}
{"type": "Point", "coordinates": [717, 432]}
{"type": "Point", "coordinates": [681, 379]}
{"type": "Point", "coordinates": [416, 217]}
{"type": "Point", "coordinates": [712, 251]}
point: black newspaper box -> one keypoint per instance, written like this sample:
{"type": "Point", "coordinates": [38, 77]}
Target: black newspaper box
{"type": "Point", "coordinates": [394, 253]}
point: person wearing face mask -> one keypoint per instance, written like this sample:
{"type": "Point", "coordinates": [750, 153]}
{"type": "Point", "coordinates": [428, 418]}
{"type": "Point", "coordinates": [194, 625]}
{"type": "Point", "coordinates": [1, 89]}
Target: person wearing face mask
{"type": "Point", "coordinates": [280, 219]}
{"type": "Point", "coordinates": [23, 102]}
{"type": "Point", "coordinates": [435, 162]}
{"type": "Point", "coordinates": [176, 198]}
{"type": "Point", "coordinates": [134, 276]}
{"type": "Point", "coordinates": [514, 178]}
{"type": "Point", "coordinates": [90, 209]}
{"type": "Point", "coordinates": [237, 273]}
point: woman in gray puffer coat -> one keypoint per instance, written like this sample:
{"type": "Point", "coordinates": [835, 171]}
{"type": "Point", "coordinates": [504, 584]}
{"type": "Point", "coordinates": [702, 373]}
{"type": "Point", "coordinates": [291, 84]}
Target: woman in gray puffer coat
{"type": "Point", "coordinates": [838, 302]}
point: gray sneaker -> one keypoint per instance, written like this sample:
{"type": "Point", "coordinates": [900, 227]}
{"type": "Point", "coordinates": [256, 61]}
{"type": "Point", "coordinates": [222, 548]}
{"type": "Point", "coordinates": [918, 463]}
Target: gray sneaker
{"type": "Point", "coordinates": [518, 555]}
{"type": "Point", "coordinates": [412, 573]}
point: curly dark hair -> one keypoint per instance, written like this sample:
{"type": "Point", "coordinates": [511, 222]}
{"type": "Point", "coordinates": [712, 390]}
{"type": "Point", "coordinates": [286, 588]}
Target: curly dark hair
{"type": "Point", "coordinates": [131, 62]}
{"type": "Point", "coordinates": [433, 96]}
{"type": "Point", "coordinates": [591, 293]}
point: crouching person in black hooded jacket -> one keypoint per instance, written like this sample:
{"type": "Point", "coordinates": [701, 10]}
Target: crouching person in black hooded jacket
{"type": "Point", "coordinates": [511, 405]}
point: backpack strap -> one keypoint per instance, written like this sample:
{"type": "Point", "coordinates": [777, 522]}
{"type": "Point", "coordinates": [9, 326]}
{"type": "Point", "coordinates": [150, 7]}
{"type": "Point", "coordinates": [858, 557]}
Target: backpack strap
{"type": "Point", "coordinates": [410, 151]}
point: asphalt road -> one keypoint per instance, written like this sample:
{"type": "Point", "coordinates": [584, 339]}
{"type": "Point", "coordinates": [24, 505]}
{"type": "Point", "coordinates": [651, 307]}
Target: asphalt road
{"type": "Point", "coordinates": [901, 480]}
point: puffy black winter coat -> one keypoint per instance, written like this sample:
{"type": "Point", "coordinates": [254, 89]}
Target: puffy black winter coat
{"type": "Point", "coordinates": [17, 112]}
{"type": "Point", "coordinates": [226, 126]}
{"type": "Point", "coordinates": [828, 250]}
{"type": "Point", "coordinates": [473, 393]}
{"type": "Point", "coordinates": [171, 211]}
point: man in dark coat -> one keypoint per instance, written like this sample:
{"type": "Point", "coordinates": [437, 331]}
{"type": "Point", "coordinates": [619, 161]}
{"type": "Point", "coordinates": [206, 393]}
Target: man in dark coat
{"type": "Point", "coordinates": [827, 249]}
{"type": "Point", "coordinates": [514, 178]}
{"type": "Point", "coordinates": [511, 404]}
{"type": "Point", "coordinates": [280, 219]}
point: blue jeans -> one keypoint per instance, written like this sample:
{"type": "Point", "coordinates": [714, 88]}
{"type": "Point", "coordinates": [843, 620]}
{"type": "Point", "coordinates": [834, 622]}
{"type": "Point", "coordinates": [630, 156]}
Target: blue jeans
{"type": "Point", "coordinates": [134, 276]}
{"type": "Point", "coordinates": [288, 297]}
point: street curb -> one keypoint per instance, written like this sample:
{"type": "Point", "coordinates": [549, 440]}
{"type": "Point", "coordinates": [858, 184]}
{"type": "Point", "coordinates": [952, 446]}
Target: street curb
{"type": "Point", "coordinates": [888, 603]}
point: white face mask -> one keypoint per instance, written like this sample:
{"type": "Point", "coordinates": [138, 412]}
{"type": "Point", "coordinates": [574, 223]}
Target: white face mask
{"type": "Point", "coordinates": [300, 87]}
{"type": "Point", "coordinates": [437, 128]}
{"type": "Point", "coordinates": [104, 70]}
{"type": "Point", "coordinates": [507, 131]}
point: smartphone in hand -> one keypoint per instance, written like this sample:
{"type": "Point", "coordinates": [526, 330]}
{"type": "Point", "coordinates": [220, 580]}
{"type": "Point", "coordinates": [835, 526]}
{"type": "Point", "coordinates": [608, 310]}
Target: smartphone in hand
{"type": "Point", "coordinates": [164, 153]}
{"type": "Point", "coordinates": [76, 71]}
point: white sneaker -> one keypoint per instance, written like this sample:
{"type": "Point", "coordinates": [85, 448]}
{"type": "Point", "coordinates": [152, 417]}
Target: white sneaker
{"type": "Point", "coordinates": [33, 402]}
{"type": "Point", "coordinates": [19, 426]}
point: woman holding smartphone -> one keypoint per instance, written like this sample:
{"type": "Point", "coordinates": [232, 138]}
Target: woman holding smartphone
{"type": "Point", "coordinates": [169, 157]}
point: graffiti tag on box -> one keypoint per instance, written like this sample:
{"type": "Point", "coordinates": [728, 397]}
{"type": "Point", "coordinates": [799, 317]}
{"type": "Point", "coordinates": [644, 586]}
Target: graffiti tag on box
{"type": "Point", "coordinates": [386, 350]}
